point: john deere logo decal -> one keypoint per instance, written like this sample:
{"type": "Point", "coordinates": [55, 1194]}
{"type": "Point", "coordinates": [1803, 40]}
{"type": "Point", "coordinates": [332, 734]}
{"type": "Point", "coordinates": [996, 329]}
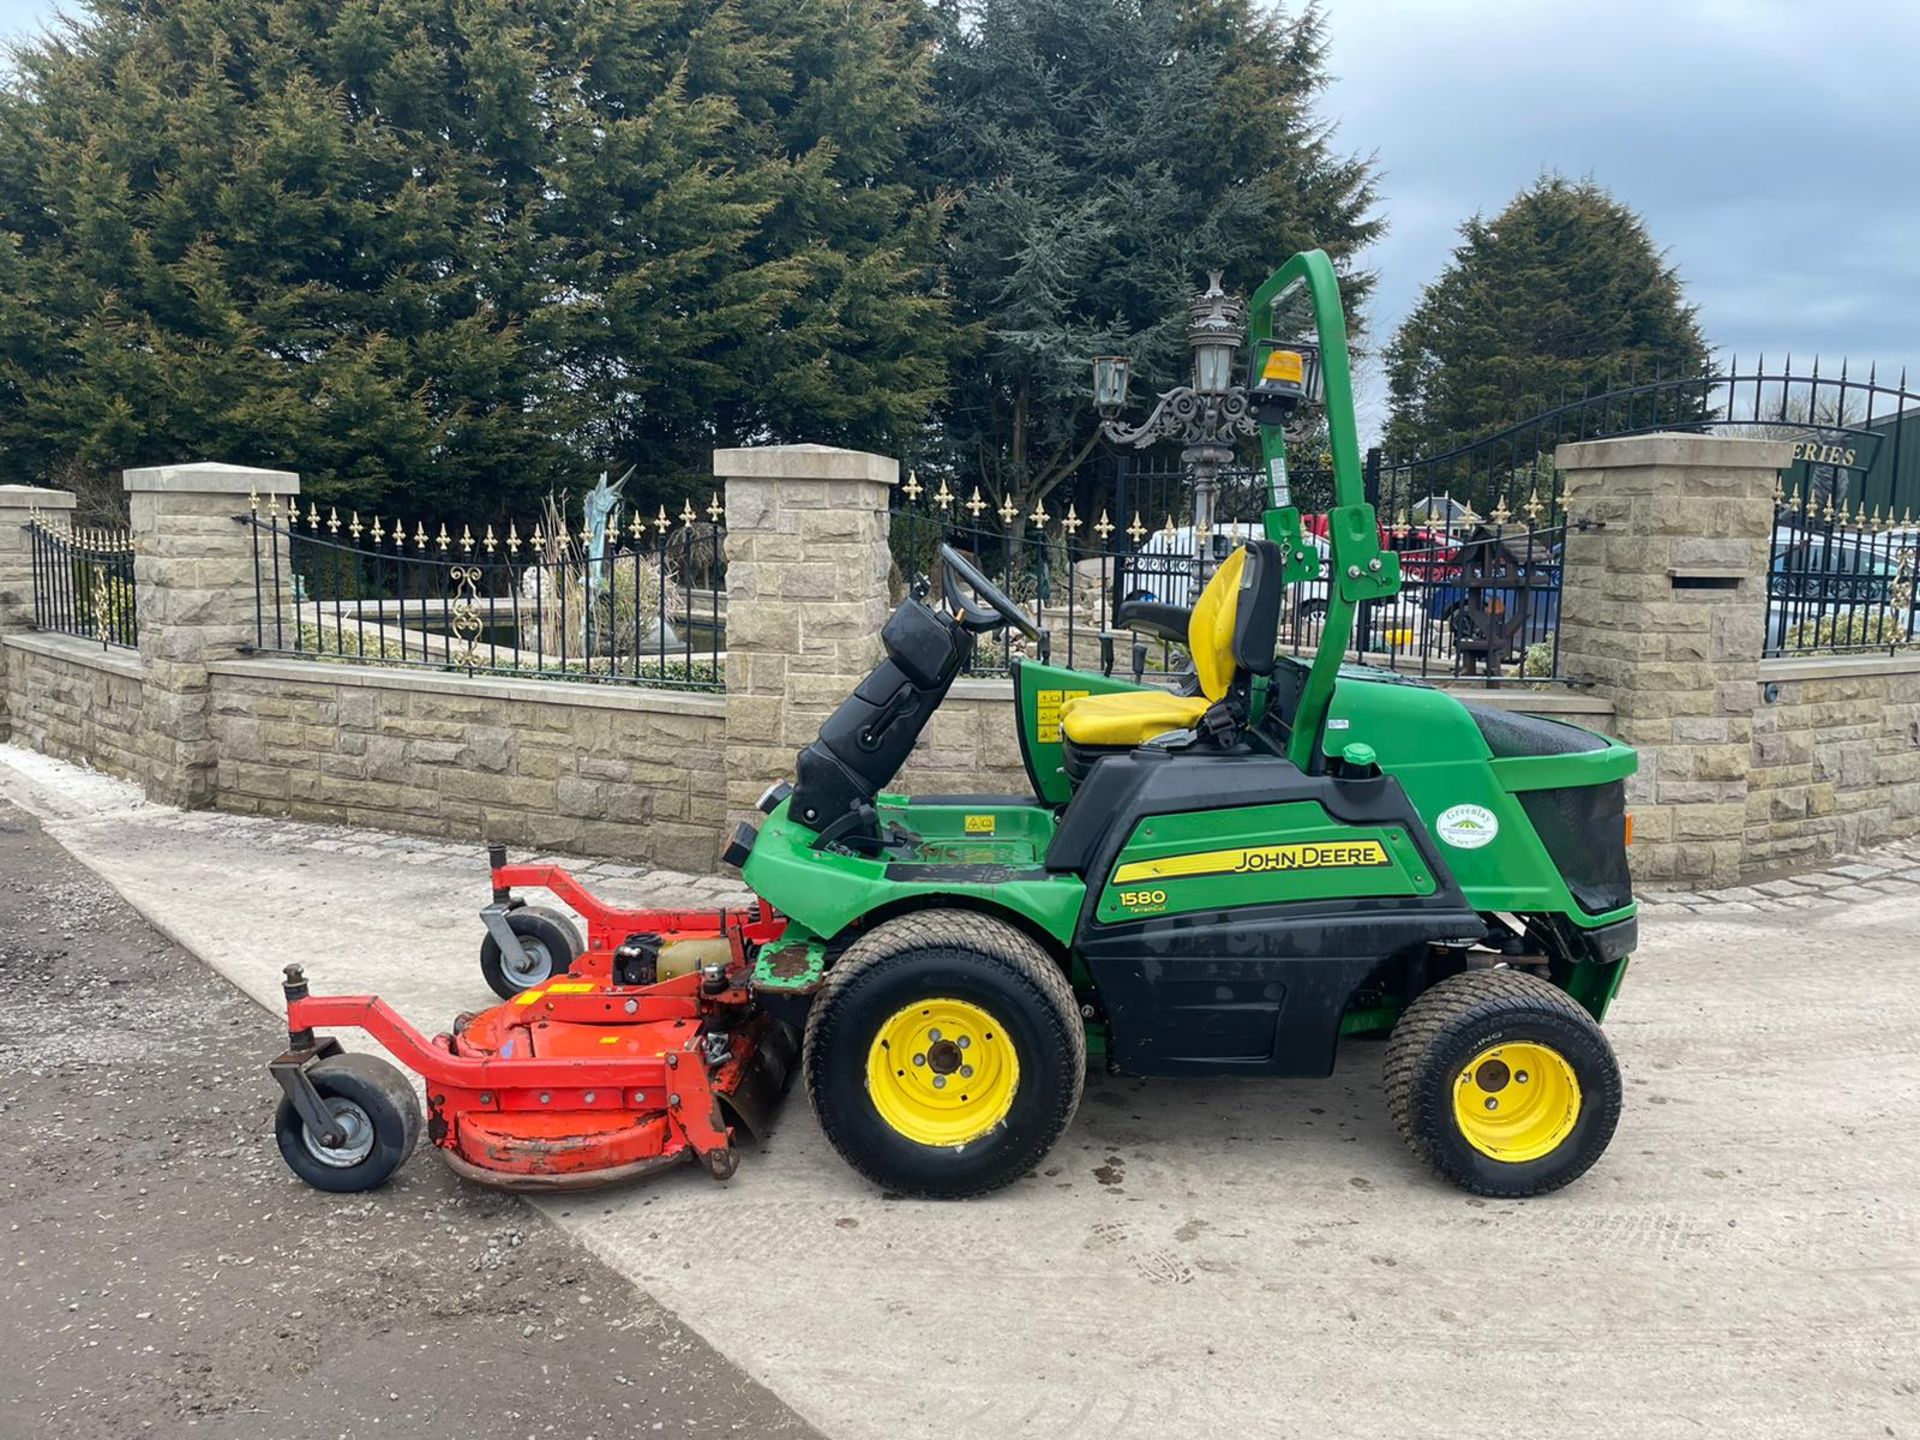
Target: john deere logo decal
{"type": "Point", "coordinates": [1255, 860]}
{"type": "Point", "coordinates": [1467, 827]}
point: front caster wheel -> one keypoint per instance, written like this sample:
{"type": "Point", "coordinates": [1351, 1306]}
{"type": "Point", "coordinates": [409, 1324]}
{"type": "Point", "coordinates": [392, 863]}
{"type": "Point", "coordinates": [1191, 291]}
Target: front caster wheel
{"type": "Point", "coordinates": [549, 944]}
{"type": "Point", "coordinates": [380, 1120]}
{"type": "Point", "coordinates": [1502, 1084]}
{"type": "Point", "coordinates": [944, 1054]}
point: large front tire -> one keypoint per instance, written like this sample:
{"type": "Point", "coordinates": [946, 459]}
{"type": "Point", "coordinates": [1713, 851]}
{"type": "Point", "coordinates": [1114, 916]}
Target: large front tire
{"type": "Point", "coordinates": [1502, 1084]}
{"type": "Point", "coordinates": [944, 1055]}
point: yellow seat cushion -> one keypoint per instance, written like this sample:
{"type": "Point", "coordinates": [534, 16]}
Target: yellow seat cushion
{"type": "Point", "coordinates": [1131, 717]}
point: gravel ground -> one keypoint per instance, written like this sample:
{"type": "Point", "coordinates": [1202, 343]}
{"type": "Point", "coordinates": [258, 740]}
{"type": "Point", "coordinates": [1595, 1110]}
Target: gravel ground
{"type": "Point", "coordinates": [165, 1275]}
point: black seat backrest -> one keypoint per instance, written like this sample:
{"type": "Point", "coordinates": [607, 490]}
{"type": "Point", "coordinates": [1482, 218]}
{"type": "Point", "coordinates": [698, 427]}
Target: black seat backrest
{"type": "Point", "coordinates": [863, 744]}
{"type": "Point", "coordinates": [1256, 622]}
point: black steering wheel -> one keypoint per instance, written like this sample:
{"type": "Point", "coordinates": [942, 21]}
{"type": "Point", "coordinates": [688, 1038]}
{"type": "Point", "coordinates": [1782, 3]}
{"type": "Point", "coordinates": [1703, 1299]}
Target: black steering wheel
{"type": "Point", "coordinates": [972, 617]}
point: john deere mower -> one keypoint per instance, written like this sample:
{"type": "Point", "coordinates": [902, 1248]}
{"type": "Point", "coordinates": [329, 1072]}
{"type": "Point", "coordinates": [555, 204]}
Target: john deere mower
{"type": "Point", "coordinates": [1224, 882]}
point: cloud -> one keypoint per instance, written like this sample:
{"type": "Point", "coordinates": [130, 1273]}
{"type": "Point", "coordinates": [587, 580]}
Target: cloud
{"type": "Point", "coordinates": [1768, 146]}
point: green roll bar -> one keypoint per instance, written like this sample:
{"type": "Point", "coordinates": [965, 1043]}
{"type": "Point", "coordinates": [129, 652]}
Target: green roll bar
{"type": "Point", "coordinates": [1359, 568]}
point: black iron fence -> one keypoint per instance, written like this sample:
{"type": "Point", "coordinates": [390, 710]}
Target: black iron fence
{"type": "Point", "coordinates": [1840, 562]}
{"type": "Point", "coordinates": [1478, 602]}
{"type": "Point", "coordinates": [1839, 582]}
{"type": "Point", "coordinates": [83, 582]}
{"type": "Point", "coordinates": [632, 602]}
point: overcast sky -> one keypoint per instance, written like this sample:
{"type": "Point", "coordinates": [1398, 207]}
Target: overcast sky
{"type": "Point", "coordinates": [1771, 147]}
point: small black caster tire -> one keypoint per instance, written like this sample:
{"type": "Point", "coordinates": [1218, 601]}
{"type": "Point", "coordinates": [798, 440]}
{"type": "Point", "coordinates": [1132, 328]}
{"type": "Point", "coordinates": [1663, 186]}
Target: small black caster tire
{"type": "Point", "coordinates": [1502, 1084]}
{"type": "Point", "coordinates": [375, 1102]}
{"type": "Point", "coordinates": [551, 944]}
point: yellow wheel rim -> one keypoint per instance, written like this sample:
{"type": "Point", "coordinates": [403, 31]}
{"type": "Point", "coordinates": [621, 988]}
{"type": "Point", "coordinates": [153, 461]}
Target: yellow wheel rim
{"type": "Point", "coordinates": [942, 1072]}
{"type": "Point", "coordinates": [1516, 1102]}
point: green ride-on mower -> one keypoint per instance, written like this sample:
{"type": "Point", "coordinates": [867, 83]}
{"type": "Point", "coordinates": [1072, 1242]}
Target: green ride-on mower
{"type": "Point", "coordinates": [1219, 883]}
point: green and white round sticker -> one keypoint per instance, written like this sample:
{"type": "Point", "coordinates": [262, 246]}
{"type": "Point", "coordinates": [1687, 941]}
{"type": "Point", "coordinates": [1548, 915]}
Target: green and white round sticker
{"type": "Point", "coordinates": [1467, 827]}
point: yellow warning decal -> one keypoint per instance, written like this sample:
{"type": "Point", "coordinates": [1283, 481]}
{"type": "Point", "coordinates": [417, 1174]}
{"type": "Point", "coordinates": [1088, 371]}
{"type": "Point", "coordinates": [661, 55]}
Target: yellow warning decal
{"type": "Point", "coordinates": [1327, 855]}
{"type": "Point", "coordinates": [1046, 719]}
{"type": "Point", "coordinates": [571, 987]}
{"type": "Point", "coordinates": [979, 824]}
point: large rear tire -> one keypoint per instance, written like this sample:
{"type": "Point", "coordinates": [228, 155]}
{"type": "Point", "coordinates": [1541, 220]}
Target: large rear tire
{"type": "Point", "coordinates": [944, 1055]}
{"type": "Point", "coordinates": [1502, 1084]}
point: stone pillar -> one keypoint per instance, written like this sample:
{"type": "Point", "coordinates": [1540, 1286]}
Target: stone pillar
{"type": "Point", "coordinates": [193, 568]}
{"type": "Point", "coordinates": [1664, 609]}
{"type": "Point", "coordinates": [807, 566]}
{"type": "Point", "coordinates": [17, 504]}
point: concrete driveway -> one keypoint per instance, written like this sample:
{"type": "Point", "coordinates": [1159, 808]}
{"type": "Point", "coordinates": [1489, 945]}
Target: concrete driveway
{"type": "Point", "coordinates": [1255, 1258]}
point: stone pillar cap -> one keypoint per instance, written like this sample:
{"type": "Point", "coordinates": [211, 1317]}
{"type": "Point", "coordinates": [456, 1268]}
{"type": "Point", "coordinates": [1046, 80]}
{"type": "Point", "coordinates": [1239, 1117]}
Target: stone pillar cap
{"type": "Point", "coordinates": [804, 462]}
{"type": "Point", "coordinates": [209, 477]}
{"type": "Point", "coordinates": [1675, 447]}
{"type": "Point", "coordinates": [36, 497]}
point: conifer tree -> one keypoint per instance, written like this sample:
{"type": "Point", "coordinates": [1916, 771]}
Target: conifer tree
{"type": "Point", "coordinates": [1103, 156]}
{"type": "Point", "coordinates": [439, 255]}
{"type": "Point", "coordinates": [1563, 291]}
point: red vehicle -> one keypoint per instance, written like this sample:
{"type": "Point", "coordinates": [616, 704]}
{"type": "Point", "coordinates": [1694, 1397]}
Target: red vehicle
{"type": "Point", "coordinates": [643, 1050]}
{"type": "Point", "coordinates": [1427, 556]}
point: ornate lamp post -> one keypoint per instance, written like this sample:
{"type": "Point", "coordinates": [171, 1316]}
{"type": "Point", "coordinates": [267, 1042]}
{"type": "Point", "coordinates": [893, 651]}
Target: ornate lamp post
{"type": "Point", "coordinates": [1206, 417]}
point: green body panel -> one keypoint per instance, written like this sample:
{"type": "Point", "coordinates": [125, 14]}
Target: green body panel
{"type": "Point", "coordinates": [1038, 691]}
{"type": "Point", "coordinates": [1256, 855]}
{"type": "Point", "coordinates": [826, 891]}
{"type": "Point", "coordinates": [1427, 741]}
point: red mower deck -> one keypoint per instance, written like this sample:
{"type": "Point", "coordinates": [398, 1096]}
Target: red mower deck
{"type": "Point", "coordinates": [577, 1081]}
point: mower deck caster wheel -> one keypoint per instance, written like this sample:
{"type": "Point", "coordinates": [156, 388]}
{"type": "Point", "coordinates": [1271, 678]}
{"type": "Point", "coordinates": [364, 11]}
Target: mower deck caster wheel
{"type": "Point", "coordinates": [379, 1118]}
{"type": "Point", "coordinates": [547, 939]}
{"type": "Point", "coordinates": [722, 1163]}
{"type": "Point", "coordinates": [1502, 1083]}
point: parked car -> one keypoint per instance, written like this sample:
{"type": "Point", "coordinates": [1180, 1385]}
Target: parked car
{"type": "Point", "coordinates": [1815, 574]}
{"type": "Point", "coordinates": [1162, 568]}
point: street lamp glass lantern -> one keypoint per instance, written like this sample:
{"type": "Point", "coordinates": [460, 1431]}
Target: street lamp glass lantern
{"type": "Point", "coordinates": [1111, 374]}
{"type": "Point", "coordinates": [1213, 366]}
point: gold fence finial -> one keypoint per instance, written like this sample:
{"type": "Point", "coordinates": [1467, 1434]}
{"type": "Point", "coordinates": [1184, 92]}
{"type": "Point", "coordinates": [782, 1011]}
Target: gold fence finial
{"type": "Point", "coordinates": [912, 488]}
{"type": "Point", "coordinates": [716, 512]}
{"type": "Point", "coordinates": [1072, 523]}
{"type": "Point", "coordinates": [1103, 527]}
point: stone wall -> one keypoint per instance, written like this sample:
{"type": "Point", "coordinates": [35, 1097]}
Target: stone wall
{"type": "Point", "coordinates": [1748, 766]}
{"type": "Point", "coordinates": [1835, 760]}
{"type": "Point", "coordinates": [629, 774]}
{"type": "Point", "coordinates": [1662, 608]}
{"type": "Point", "coordinates": [18, 505]}
{"type": "Point", "coordinates": [71, 699]}
{"type": "Point", "coordinates": [969, 747]}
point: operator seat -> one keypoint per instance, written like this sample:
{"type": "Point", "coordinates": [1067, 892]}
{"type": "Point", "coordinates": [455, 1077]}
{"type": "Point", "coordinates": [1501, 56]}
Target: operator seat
{"type": "Point", "coordinates": [1230, 637]}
